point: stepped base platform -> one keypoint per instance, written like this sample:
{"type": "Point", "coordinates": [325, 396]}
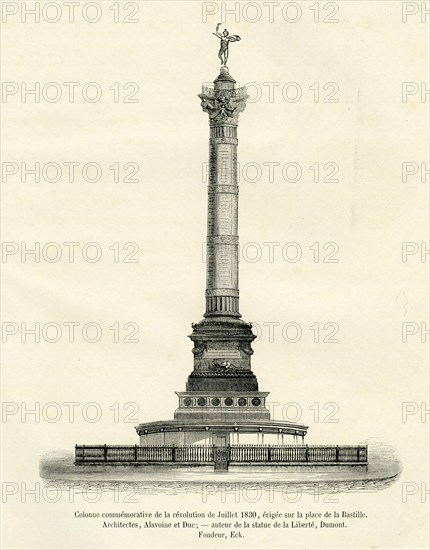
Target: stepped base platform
{"type": "Point", "coordinates": [218, 429]}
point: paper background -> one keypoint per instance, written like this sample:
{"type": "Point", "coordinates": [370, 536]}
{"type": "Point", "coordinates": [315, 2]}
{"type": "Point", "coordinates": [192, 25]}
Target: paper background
{"type": "Point", "coordinates": [369, 293]}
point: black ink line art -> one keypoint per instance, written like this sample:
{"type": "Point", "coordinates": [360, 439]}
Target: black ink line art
{"type": "Point", "coordinates": [222, 402]}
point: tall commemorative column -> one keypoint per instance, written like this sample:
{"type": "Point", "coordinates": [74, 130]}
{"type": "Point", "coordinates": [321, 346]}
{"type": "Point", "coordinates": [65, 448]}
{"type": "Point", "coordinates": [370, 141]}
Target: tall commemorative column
{"type": "Point", "coordinates": [222, 341]}
{"type": "Point", "coordinates": [223, 103]}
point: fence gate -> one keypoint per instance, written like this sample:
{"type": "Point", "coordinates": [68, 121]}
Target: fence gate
{"type": "Point", "coordinates": [221, 458]}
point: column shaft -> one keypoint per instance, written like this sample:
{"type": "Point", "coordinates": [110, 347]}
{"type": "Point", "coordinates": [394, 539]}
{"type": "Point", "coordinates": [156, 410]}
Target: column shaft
{"type": "Point", "coordinates": [222, 255]}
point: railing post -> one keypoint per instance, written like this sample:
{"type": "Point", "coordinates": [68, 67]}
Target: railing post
{"type": "Point", "coordinates": [173, 453]}
{"type": "Point", "coordinates": [358, 454]}
{"type": "Point", "coordinates": [135, 453]}
{"type": "Point", "coordinates": [83, 453]}
{"type": "Point", "coordinates": [337, 453]}
{"type": "Point", "coordinates": [105, 453]}
{"type": "Point", "coordinates": [269, 453]}
{"type": "Point", "coordinates": [307, 453]}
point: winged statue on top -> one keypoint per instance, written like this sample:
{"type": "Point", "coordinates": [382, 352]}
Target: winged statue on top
{"type": "Point", "coordinates": [225, 38]}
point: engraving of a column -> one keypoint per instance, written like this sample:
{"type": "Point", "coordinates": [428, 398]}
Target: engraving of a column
{"type": "Point", "coordinates": [223, 103]}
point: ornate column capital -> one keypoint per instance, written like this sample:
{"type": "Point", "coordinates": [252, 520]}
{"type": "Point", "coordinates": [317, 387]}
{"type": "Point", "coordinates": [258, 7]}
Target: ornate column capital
{"type": "Point", "coordinates": [224, 102]}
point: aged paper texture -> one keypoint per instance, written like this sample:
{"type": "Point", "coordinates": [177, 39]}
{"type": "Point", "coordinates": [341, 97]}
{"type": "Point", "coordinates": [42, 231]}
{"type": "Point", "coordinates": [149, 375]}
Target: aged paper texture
{"type": "Point", "coordinates": [114, 133]}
